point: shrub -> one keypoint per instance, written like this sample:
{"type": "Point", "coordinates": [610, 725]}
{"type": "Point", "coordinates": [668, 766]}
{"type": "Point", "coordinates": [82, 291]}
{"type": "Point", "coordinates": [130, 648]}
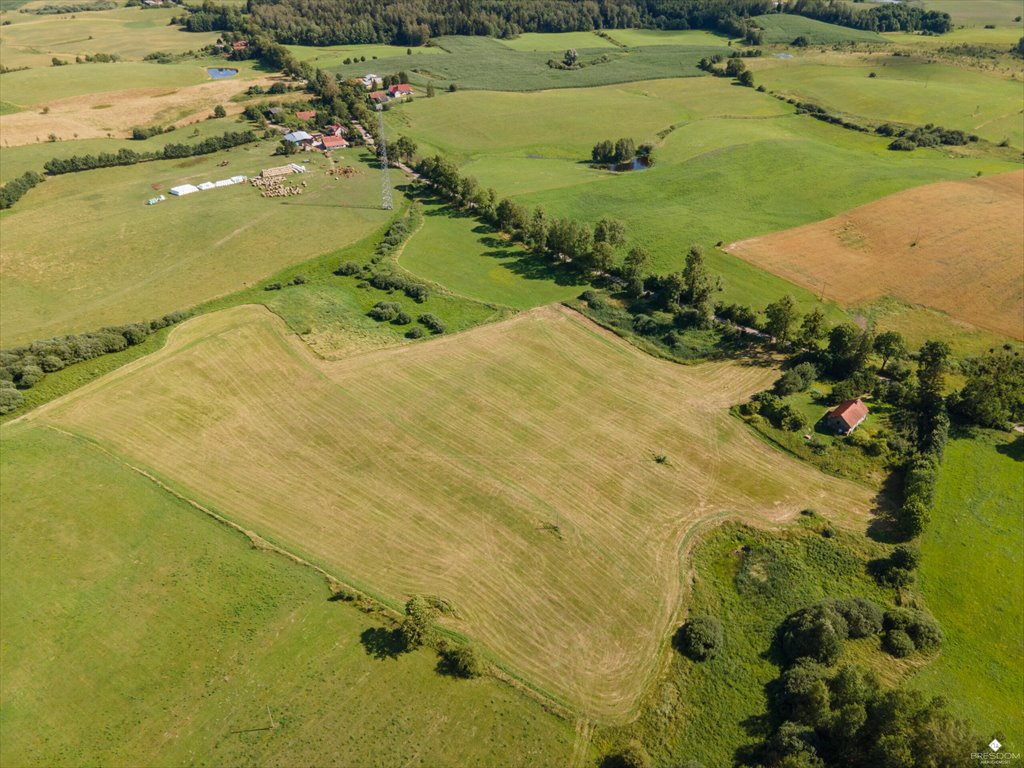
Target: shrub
{"type": "Point", "coordinates": [10, 399]}
{"type": "Point", "coordinates": [385, 311]}
{"type": "Point", "coordinates": [298, 280]}
{"type": "Point", "coordinates": [402, 319]}
{"type": "Point", "coordinates": [863, 617]}
{"type": "Point", "coordinates": [417, 292]}
{"type": "Point", "coordinates": [463, 661]}
{"type": "Point", "coordinates": [925, 632]}
{"type": "Point", "coordinates": [272, 287]}
{"type": "Point", "coordinates": [817, 633]}
{"type": "Point", "coordinates": [432, 322]}
{"type": "Point", "coordinates": [51, 363]}
{"type": "Point", "coordinates": [700, 637]}
{"type": "Point", "coordinates": [415, 333]}
{"type": "Point", "coordinates": [898, 643]}
{"type": "Point", "coordinates": [634, 756]}
{"type": "Point", "coordinates": [29, 376]}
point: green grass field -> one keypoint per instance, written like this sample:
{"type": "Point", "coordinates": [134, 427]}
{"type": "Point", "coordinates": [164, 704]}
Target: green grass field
{"type": "Point", "coordinates": [330, 56]}
{"type": "Point", "coordinates": [1000, 12]}
{"type": "Point", "coordinates": [972, 577]}
{"type": "Point", "coordinates": [131, 33]}
{"type": "Point", "coordinates": [706, 711]}
{"type": "Point", "coordinates": [784, 28]}
{"type": "Point", "coordinates": [557, 42]}
{"type": "Point", "coordinates": [138, 631]}
{"type": "Point", "coordinates": [465, 256]}
{"type": "Point", "coordinates": [905, 90]}
{"type": "Point", "coordinates": [735, 164]}
{"type": "Point", "coordinates": [123, 261]}
{"type": "Point", "coordinates": [635, 38]}
{"type": "Point", "coordinates": [483, 63]}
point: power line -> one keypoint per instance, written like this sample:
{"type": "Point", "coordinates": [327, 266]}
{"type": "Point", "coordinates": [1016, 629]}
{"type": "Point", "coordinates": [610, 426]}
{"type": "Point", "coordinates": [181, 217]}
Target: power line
{"type": "Point", "coordinates": [385, 180]}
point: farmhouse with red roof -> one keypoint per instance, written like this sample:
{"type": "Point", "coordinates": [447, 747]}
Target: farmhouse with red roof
{"type": "Point", "coordinates": [846, 417]}
{"type": "Point", "coordinates": [398, 91]}
{"type": "Point", "coordinates": [308, 114]}
{"type": "Point", "coordinates": [333, 142]}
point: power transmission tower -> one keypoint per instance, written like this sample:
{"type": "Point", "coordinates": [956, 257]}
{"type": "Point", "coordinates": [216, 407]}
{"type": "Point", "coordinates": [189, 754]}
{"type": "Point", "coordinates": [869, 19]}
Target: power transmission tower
{"type": "Point", "coordinates": [385, 179]}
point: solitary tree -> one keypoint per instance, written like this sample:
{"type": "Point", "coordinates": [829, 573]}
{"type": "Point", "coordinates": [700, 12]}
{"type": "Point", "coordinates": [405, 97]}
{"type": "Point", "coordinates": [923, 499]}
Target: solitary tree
{"type": "Point", "coordinates": [698, 285]}
{"type": "Point", "coordinates": [219, 111]}
{"type": "Point", "coordinates": [405, 148]}
{"type": "Point", "coordinates": [417, 628]}
{"type": "Point", "coordinates": [570, 57]}
{"type": "Point", "coordinates": [781, 316]}
{"type": "Point", "coordinates": [430, 90]}
{"type": "Point", "coordinates": [812, 329]}
{"type": "Point", "coordinates": [890, 344]}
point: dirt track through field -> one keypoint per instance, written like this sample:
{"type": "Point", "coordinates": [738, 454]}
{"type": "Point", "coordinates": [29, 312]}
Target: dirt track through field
{"type": "Point", "coordinates": [445, 467]}
{"type": "Point", "coordinates": [956, 246]}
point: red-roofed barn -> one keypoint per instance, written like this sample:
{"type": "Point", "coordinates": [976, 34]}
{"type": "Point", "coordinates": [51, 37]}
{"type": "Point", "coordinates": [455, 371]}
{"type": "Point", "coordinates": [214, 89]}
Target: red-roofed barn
{"type": "Point", "coordinates": [846, 417]}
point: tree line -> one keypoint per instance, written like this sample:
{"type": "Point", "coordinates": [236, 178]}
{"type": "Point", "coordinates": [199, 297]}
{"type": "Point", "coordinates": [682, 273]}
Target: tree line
{"type": "Point", "coordinates": [24, 367]}
{"type": "Point", "coordinates": [12, 191]}
{"type": "Point", "coordinates": [75, 163]}
{"type": "Point", "coordinates": [414, 22]}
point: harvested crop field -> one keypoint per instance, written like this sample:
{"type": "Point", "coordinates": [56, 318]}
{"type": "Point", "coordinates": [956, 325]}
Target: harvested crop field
{"type": "Point", "coordinates": [956, 246]}
{"type": "Point", "coordinates": [510, 469]}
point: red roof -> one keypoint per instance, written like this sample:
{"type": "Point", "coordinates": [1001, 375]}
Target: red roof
{"type": "Point", "coordinates": [379, 95]}
{"type": "Point", "coordinates": [334, 142]}
{"type": "Point", "coordinates": [402, 88]}
{"type": "Point", "coordinates": [241, 45]}
{"type": "Point", "coordinates": [307, 115]}
{"type": "Point", "coordinates": [851, 413]}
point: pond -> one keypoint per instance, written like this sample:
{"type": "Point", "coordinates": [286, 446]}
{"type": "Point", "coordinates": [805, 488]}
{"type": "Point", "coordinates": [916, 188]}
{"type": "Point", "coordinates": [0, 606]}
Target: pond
{"type": "Point", "coordinates": [217, 73]}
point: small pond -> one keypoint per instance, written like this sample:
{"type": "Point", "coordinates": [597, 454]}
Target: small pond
{"type": "Point", "coordinates": [217, 73]}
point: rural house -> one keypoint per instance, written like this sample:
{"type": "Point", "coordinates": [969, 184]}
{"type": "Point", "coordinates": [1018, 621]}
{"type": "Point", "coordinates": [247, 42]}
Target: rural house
{"type": "Point", "coordinates": [371, 80]}
{"type": "Point", "coordinates": [240, 45]}
{"type": "Point", "coordinates": [298, 137]}
{"type": "Point", "coordinates": [308, 114]}
{"type": "Point", "coordinates": [400, 91]}
{"type": "Point", "coordinates": [847, 416]}
{"type": "Point", "coordinates": [379, 97]}
{"type": "Point", "coordinates": [333, 142]}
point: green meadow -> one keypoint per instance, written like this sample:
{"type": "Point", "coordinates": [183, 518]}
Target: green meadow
{"type": "Point", "coordinates": [483, 63]}
{"type": "Point", "coordinates": [31, 40]}
{"type": "Point", "coordinates": [330, 56]}
{"type": "Point", "coordinates": [32, 87]}
{"type": "Point", "coordinates": [732, 164]}
{"type": "Point", "coordinates": [138, 631]}
{"type": "Point", "coordinates": [904, 90]}
{"type": "Point", "coordinates": [115, 260]}
{"type": "Point", "coordinates": [784, 28]}
{"type": "Point", "coordinates": [556, 42]}
{"type": "Point", "coordinates": [972, 578]}
{"type": "Point", "coordinates": [635, 38]}
{"type": "Point", "coordinates": [968, 12]}
{"type": "Point", "coordinates": [455, 250]}
{"type": "Point", "coordinates": [750, 580]}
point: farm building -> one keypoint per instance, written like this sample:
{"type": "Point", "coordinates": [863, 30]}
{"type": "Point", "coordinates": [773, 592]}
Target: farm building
{"type": "Point", "coordinates": [307, 114]}
{"type": "Point", "coordinates": [847, 416]}
{"type": "Point", "coordinates": [400, 91]}
{"type": "Point", "coordinates": [333, 142]}
{"type": "Point", "coordinates": [297, 137]}
{"type": "Point", "coordinates": [335, 130]}
{"type": "Point", "coordinates": [240, 45]}
{"type": "Point", "coordinates": [184, 189]}
{"type": "Point", "coordinates": [379, 97]}
{"type": "Point", "coordinates": [370, 80]}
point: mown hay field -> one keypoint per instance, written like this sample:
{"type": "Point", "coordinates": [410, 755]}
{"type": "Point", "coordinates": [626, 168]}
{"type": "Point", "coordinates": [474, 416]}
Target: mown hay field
{"type": "Point", "coordinates": [113, 259]}
{"type": "Point", "coordinates": [955, 246]}
{"type": "Point", "coordinates": [138, 631]}
{"type": "Point", "coordinates": [509, 469]}
{"type": "Point", "coordinates": [95, 101]}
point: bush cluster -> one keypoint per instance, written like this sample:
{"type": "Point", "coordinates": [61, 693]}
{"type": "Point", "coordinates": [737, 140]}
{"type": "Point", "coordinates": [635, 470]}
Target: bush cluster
{"type": "Point", "coordinates": [141, 134]}
{"type": "Point", "coordinates": [930, 135]}
{"type": "Point", "coordinates": [907, 631]}
{"type": "Point", "coordinates": [819, 631]}
{"type": "Point", "coordinates": [778, 413]}
{"type": "Point", "coordinates": [700, 637]}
